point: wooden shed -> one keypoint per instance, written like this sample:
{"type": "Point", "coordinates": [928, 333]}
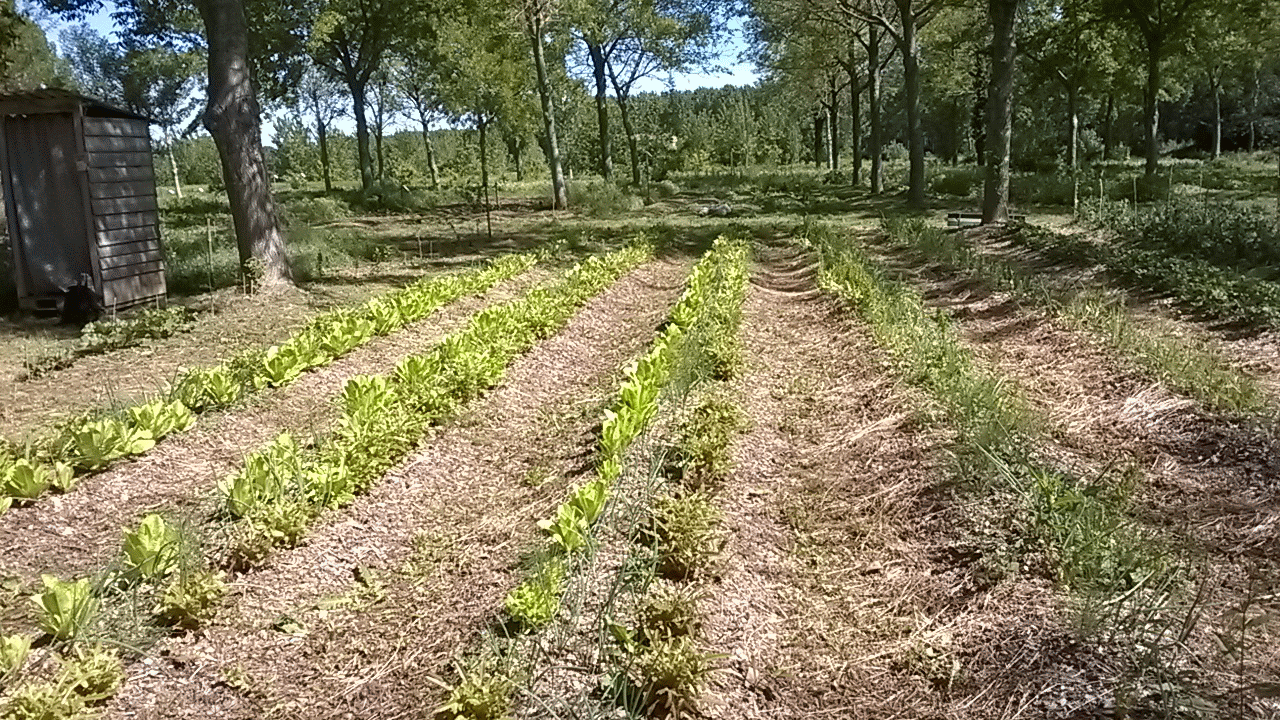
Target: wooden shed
{"type": "Point", "coordinates": [80, 198]}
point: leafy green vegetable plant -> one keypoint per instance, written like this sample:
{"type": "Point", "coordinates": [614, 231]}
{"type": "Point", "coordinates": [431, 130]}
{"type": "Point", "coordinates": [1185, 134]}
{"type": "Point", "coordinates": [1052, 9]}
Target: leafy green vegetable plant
{"type": "Point", "coordinates": [152, 550]}
{"type": "Point", "coordinates": [66, 608]}
{"type": "Point", "coordinates": [208, 388]}
{"type": "Point", "coordinates": [161, 418]}
{"type": "Point", "coordinates": [26, 480]}
{"type": "Point", "coordinates": [535, 602]}
{"type": "Point", "coordinates": [13, 654]}
{"type": "Point", "coordinates": [190, 599]}
{"type": "Point", "coordinates": [99, 442]}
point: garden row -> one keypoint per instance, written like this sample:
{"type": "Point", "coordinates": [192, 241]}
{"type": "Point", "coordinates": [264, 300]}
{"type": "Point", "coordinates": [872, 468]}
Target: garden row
{"type": "Point", "coordinates": [282, 488]}
{"type": "Point", "coordinates": [1216, 260]}
{"type": "Point", "coordinates": [1187, 365]}
{"type": "Point", "coordinates": [1076, 530]}
{"type": "Point", "coordinates": [90, 444]}
{"type": "Point", "coordinates": [667, 532]}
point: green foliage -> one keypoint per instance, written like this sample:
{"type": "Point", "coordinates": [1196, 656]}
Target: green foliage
{"type": "Point", "coordinates": [66, 608]}
{"type": "Point", "coordinates": [687, 531]}
{"type": "Point", "coordinates": [704, 441]}
{"type": "Point", "coordinates": [98, 442]}
{"type": "Point", "coordinates": [483, 693]}
{"type": "Point", "coordinates": [191, 599]}
{"type": "Point", "coordinates": [26, 480]}
{"type": "Point", "coordinates": [535, 602]}
{"type": "Point", "coordinates": [94, 673]}
{"type": "Point", "coordinates": [282, 365]}
{"type": "Point", "coordinates": [668, 611]}
{"type": "Point", "coordinates": [146, 324]}
{"type": "Point", "coordinates": [572, 524]}
{"type": "Point", "coordinates": [42, 701]}
{"type": "Point", "coordinates": [599, 198]}
{"type": "Point", "coordinates": [151, 551]}
{"type": "Point", "coordinates": [161, 418]}
{"type": "Point", "coordinates": [208, 388]}
{"type": "Point", "coordinates": [13, 654]}
{"type": "Point", "coordinates": [672, 673]}
{"type": "Point", "coordinates": [264, 478]}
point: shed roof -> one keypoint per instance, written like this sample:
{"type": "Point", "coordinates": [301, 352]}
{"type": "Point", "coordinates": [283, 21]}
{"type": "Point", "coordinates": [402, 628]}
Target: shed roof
{"type": "Point", "coordinates": [53, 100]}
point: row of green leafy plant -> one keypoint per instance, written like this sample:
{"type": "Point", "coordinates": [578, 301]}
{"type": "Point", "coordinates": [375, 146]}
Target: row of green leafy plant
{"type": "Point", "coordinates": [271, 501]}
{"type": "Point", "coordinates": [1187, 365]}
{"type": "Point", "coordinates": [90, 444]}
{"type": "Point", "coordinates": [1077, 530]}
{"type": "Point", "coordinates": [159, 574]}
{"type": "Point", "coordinates": [103, 336]}
{"type": "Point", "coordinates": [1213, 260]}
{"type": "Point", "coordinates": [688, 339]}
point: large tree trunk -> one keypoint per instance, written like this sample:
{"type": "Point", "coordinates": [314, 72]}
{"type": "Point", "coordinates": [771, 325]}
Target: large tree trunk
{"type": "Point", "coordinates": [873, 102]}
{"type": "Point", "coordinates": [173, 163]}
{"type": "Point", "coordinates": [602, 110]}
{"type": "Point", "coordinates": [855, 117]}
{"type": "Point", "coordinates": [431, 155]}
{"type": "Point", "coordinates": [910, 48]}
{"type": "Point", "coordinates": [232, 118]}
{"type": "Point", "coordinates": [1152, 109]}
{"type": "Point", "coordinates": [633, 143]}
{"type": "Point", "coordinates": [1073, 130]}
{"type": "Point", "coordinates": [377, 142]}
{"type": "Point", "coordinates": [834, 123]}
{"type": "Point", "coordinates": [1216, 84]}
{"type": "Point", "coordinates": [358, 102]}
{"type": "Point", "coordinates": [1106, 126]}
{"type": "Point", "coordinates": [819, 137]}
{"type": "Point", "coordinates": [995, 197]}
{"type": "Point", "coordinates": [559, 192]}
{"type": "Point", "coordinates": [322, 133]}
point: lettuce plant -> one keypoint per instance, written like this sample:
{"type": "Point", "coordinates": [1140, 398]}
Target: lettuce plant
{"type": "Point", "coordinates": [385, 316]}
{"type": "Point", "coordinates": [13, 654]}
{"type": "Point", "coordinates": [264, 477]}
{"type": "Point", "coordinates": [26, 480]}
{"type": "Point", "coordinates": [151, 551]}
{"type": "Point", "coordinates": [99, 442]}
{"type": "Point", "coordinates": [207, 388]}
{"type": "Point", "coordinates": [66, 608]}
{"type": "Point", "coordinates": [161, 418]}
{"type": "Point", "coordinates": [281, 365]}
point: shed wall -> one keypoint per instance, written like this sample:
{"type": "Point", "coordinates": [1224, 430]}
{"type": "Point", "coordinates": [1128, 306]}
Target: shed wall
{"type": "Point", "coordinates": [122, 192]}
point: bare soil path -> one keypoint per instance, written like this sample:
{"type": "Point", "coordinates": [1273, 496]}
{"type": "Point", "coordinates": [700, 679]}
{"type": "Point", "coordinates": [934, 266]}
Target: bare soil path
{"type": "Point", "coordinates": [78, 533]}
{"type": "Point", "coordinates": [436, 542]}
{"type": "Point", "coordinates": [848, 587]}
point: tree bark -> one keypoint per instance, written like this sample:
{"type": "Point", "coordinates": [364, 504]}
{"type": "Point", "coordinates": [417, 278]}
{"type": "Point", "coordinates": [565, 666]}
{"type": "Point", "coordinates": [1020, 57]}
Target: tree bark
{"type": "Point", "coordinates": [819, 138]}
{"type": "Point", "coordinates": [431, 155]}
{"type": "Point", "coordinates": [173, 164]}
{"type": "Point", "coordinates": [633, 143]}
{"type": "Point", "coordinates": [559, 192]}
{"type": "Point", "coordinates": [483, 126]}
{"type": "Point", "coordinates": [855, 117]}
{"type": "Point", "coordinates": [873, 102]}
{"type": "Point", "coordinates": [995, 197]}
{"type": "Point", "coordinates": [358, 103]}
{"type": "Point", "coordinates": [1152, 108]}
{"type": "Point", "coordinates": [1217, 117]}
{"type": "Point", "coordinates": [322, 134]}
{"type": "Point", "coordinates": [910, 48]}
{"type": "Point", "coordinates": [602, 109]}
{"type": "Point", "coordinates": [834, 123]}
{"type": "Point", "coordinates": [1106, 126]}
{"type": "Point", "coordinates": [1073, 130]}
{"type": "Point", "coordinates": [232, 118]}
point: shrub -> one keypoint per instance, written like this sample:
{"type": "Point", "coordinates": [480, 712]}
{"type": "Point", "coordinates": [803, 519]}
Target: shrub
{"type": "Point", "coordinates": [601, 199]}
